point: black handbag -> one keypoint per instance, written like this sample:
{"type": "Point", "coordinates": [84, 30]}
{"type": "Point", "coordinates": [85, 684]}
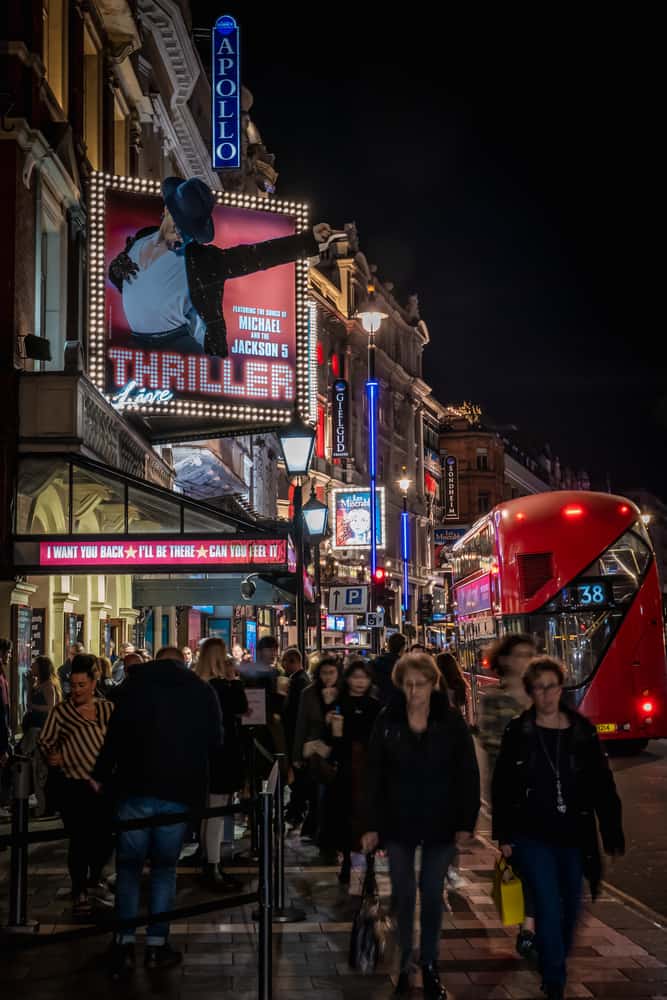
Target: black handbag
{"type": "Point", "coordinates": [369, 929]}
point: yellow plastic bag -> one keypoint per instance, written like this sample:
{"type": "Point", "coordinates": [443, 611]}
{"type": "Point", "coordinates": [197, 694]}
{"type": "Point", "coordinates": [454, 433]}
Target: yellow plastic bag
{"type": "Point", "coordinates": [507, 894]}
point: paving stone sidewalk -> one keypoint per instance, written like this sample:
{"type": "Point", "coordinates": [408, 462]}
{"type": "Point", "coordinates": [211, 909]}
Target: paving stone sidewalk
{"type": "Point", "coordinates": [620, 952]}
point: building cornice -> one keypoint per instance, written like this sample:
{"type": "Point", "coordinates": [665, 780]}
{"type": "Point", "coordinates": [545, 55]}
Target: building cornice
{"type": "Point", "coordinates": [164, 20]}
{"type": "Point", "coordinates": [38, 153]}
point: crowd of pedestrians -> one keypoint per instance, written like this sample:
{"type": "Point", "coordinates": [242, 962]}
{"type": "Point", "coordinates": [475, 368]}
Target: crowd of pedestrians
{"type": "Point", "coordinates": [378, 756]}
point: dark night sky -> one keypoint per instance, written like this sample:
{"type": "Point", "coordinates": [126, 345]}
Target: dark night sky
{"type": "Point", "coordinates": [509, 174]}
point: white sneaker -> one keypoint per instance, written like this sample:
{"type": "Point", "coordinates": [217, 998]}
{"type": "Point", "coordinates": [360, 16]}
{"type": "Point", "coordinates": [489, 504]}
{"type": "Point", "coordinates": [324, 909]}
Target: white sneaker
{"type": "Point", "coordinates": [454, 879]}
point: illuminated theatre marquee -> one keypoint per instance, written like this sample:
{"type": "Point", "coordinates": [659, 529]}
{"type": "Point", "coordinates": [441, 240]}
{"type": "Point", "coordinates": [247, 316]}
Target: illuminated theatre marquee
{"type": "Point", "coordinates": [163, 553]}
{"type": "Point", "coordinates": [142, 360]}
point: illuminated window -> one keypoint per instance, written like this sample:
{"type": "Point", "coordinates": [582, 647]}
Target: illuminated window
{"type": "Point", "coordinates": [54, 48]}
{"type": "Point", "coordinates": [482, 460]}
{"type": "Point", "coordinates": [92, 99]}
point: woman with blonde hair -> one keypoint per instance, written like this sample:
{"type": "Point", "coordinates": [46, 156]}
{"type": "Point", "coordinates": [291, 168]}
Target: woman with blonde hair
{"type": "Point", "coordinates": [226, 765]}
{"type": "Point", "coordinates": [423, 790]}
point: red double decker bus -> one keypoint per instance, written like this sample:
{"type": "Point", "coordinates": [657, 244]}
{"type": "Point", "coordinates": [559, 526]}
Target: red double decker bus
{"type": "Point", "coordinates": [577, 571]}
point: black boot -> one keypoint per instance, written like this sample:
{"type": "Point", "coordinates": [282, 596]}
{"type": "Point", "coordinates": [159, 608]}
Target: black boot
{"type": "Point", "coordinates": [121, 961]}
{"type": "Point", "coordinates": [403, 985]}
{"type": "Point", "coordinates": [212, 878]}
{"type": "Point", "coordinates": [555, 991]}
{"type": "Point", "coordinates": [229, 883]}
{"type": "Point", "coordinates": [162, 956]}
{"type": "Point", "coordinates": [433, 988]}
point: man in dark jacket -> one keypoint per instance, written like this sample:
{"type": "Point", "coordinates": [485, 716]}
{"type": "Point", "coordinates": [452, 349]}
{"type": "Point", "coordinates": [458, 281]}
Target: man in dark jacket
{"type": "Point", "coordinates": [384, 665]}
{"type": "Point", "coordinates": [155, 757]}
{"type": "Point", "coordinates": [172, 280]}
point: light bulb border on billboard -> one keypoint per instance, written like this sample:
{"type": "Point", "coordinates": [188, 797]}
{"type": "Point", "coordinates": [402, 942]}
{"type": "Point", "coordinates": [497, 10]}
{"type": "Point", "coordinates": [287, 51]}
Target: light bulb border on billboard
{"type": "Point", "coordinates": [235, 413]}
{"type": "Point", "coordinates": [381, 496]}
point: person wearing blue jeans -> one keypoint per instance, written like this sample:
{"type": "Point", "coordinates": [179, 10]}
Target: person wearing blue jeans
{"type": "Point", "coordinates": [160, 845]}
{"type": "Point", "coordinates": [555, 875]}
{"type": "Point", "coordinates": [165, 726]}
{"type": "Point", "coordinates": [551, 781]}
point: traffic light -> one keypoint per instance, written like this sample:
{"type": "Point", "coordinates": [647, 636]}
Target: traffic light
{"type": "Point", "coordinates": [380, 586]}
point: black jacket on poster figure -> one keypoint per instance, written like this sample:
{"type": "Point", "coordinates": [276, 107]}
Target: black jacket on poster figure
{"type": "Point", "coordinates": [594, 789]}
{"type": "Point", "coordinates": [165, 726]}
{"type": "Point", "coordinates": [208, 268]}
{"type": "Point", "coordinates": [421, 787]}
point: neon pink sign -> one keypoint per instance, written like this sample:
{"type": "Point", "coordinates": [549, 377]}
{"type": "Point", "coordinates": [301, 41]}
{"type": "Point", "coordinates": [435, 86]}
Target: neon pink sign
{"type": "Point", "coordinates": [474, 596]}
{"type": "Point", "coordinates": [164, 553]}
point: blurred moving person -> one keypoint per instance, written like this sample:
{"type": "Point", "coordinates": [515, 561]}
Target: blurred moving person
{"type": "Point", "coordinates": [551, 781]}
{"type": "Point", "coordinates": [351, 723]}
{"type": "Point", "coordinates": [508, 659]}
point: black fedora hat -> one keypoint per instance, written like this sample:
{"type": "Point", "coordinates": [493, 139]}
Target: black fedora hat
{"type": "Point", "coordinates": [190, 204]}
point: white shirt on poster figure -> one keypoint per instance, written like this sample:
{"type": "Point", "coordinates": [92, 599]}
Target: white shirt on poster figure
{"type": "Point", "coordinates": [157, 299]}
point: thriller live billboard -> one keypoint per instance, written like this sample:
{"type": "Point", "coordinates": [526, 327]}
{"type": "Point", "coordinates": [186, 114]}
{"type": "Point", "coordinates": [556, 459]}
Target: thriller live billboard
{"type": "Point", "coordinates": [177, 333]}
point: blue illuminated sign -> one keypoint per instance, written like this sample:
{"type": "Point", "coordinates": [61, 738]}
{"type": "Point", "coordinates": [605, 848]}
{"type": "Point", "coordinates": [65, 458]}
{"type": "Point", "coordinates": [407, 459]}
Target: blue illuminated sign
{"type": "Point", "coordinates": [226, 94]}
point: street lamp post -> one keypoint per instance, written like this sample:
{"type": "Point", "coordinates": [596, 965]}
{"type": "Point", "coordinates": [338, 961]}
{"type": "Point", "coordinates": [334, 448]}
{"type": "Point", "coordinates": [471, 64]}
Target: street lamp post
{"type": "Point", "coordinates": [316, 519]}
{"type": "Point", "coordinates": [404, 485]}
{"type": "Point", "coordinates": [296, 443]}
{"type": "Point", "coordinates": [371, 316]}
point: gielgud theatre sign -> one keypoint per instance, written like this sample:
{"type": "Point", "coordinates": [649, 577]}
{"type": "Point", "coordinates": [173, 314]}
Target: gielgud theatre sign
{"type": "Point", "coordinates": [198, 301]}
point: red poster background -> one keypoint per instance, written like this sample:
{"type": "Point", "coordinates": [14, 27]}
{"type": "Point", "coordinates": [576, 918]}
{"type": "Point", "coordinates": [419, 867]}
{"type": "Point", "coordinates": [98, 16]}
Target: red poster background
{"type": "Point", "coordinates": [127, 213]}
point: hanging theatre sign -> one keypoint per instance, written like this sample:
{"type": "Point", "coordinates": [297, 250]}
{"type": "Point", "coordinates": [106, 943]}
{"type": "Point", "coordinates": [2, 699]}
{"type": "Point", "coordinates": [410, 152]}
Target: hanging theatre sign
{"type": "Point", "coordinates": [198, 302]}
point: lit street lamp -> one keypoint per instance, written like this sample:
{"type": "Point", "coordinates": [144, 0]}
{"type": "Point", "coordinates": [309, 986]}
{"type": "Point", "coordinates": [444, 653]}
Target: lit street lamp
{"type": "Point", "coordinates": [296, 443]}
{"type": "Point", "coordinates": [404, 485]}
{"type": "Point", "coordinates": [370, 315]}
{"type": "Point", "coordinates": [316, 518]}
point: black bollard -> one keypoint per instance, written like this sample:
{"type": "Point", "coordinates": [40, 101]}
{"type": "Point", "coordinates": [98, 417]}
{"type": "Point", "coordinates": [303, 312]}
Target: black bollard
{"type": "Point", "coordinates": [282, 914]}
{"type": "Point", "coordinates": [265, 944]}
{"type": "Point", "coordinates": [18, 872]}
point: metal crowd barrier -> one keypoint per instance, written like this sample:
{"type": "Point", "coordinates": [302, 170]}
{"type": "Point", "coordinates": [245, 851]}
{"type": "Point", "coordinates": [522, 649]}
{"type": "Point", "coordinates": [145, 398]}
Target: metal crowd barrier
{"type": "Point", "coordinates": [266, 810]}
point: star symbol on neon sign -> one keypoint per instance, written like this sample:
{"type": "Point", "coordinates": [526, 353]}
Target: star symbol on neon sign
{"type": "Point", "coordinates": [130, 552]}
{"type": "Point", "coordinates": [202, 552]}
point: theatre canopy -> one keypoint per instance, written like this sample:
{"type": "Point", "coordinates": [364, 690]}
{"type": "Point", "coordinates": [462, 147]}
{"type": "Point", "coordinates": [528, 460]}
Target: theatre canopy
{"type": "Point", "coordinates": [73, 515]}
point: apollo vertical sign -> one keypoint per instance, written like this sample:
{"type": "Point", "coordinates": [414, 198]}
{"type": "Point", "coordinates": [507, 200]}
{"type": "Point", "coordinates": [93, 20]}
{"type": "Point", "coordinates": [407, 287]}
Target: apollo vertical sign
{"type": "Point", "coordinates": [226, 88]}
{"type": "Point", "coordinates": [340, 446]}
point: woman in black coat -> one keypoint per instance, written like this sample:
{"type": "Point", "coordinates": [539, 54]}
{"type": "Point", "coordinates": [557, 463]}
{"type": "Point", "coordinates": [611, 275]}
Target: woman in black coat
{"type": "Point", "coordinates": [312, 739]}
{"type": "Point", "coordinates": [423, 790]}
{"type": "Point", "coordinates": [551, 781]}
{"type": "Point", "coordinates": [351, 723]}
{"type": "Point", "coordinates": [226, 771]}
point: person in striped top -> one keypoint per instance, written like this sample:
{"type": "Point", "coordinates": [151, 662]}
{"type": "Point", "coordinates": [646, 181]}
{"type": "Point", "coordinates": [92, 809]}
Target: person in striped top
{"type": "Point", "coordinates": [71, 740]}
